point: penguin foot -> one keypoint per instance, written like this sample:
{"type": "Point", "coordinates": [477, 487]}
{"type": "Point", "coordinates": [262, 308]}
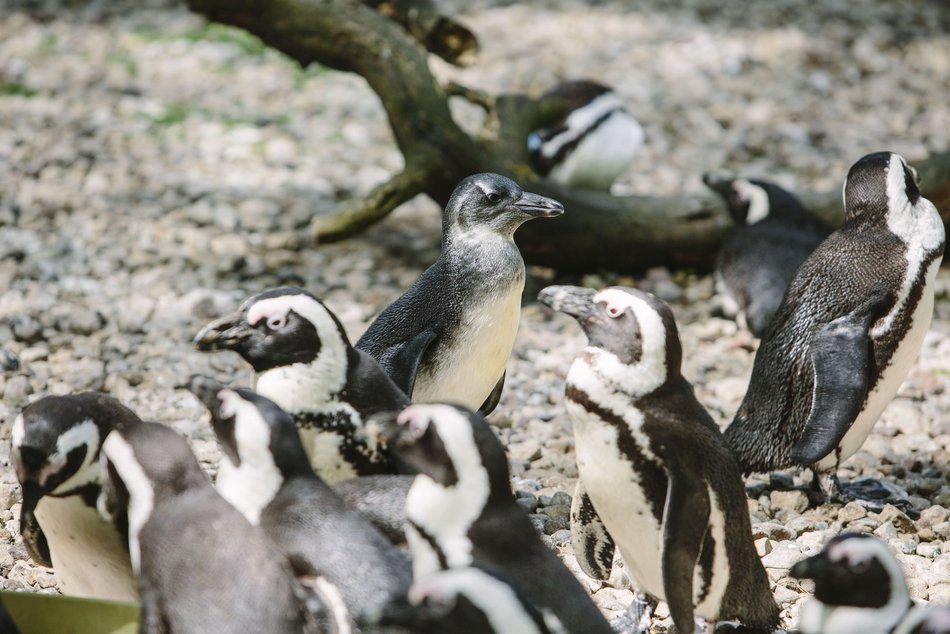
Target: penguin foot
{"type": "Point", "coordinates": [636, 618]}
{"type": "Point", "coordinates": [872, 494]}
{"type": "Point", "coordinates": [734, 627]}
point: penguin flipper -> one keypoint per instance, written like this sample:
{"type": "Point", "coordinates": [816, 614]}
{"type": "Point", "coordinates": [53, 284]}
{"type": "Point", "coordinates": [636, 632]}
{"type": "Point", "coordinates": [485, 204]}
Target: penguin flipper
{"type": "Point", "coordinates": [839, 352]}
{"type": "Point", "coordinates": [401, 362]}
{"type": "Point", "coordinates": [685, 522]}
{"type": "Point", "coordinates": [593, 545]}
{"type": "Point", "coordinates": [492, 401]}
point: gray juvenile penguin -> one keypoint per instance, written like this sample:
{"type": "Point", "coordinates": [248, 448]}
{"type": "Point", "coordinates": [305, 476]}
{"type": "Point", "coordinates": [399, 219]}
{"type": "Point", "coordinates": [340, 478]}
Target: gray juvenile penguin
{"type": "Point", "coordinates": [304, 362]}
{"type": "Point", "coordinates": [201, 566]}
{"type": "Point", "coordinates": [264, 473]}
{"type": "Point", "coordinates": [461, 512]}
{"type": "Point", "coordinates": [774, 234]}
{"type": "Point", "coordinates": [55, 449]}
{"type": "Point", "coordinates": [448, 338]}
{"type": "Point", "coordinates": [592, 144]}
{"type": "Point", "coordinates": [655, 476]}
{"type": "Point", "coordinates": [860, 589]}
{"type": "Point", "coordinates": [848, 330]}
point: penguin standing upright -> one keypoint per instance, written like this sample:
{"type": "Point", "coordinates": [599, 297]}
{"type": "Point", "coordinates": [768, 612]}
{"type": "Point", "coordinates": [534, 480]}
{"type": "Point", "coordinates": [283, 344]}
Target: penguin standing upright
{"type": "Point", "coordinates": [55, 449]}
{"type": "Point", "coordinates": [304, 362]}
{"type": "Point", "coordinates": [201, 566]}
{"type": "Point", "coordinates": [847, 332]}
{"type": "Point", "coordinates": [265, 474]}
{"type": "Point", "coordinates": [592, 144]}
{"type": "Point", "coordinates": [461, 512]}
{"type": "Point", "coordinates": [757, 260]}
{"type": "Point", "coordinates": [448, 338]}
{"type": "Point", "coordinates": [655, 474]}
{"type": "Point", "coordinates": [859, 589]}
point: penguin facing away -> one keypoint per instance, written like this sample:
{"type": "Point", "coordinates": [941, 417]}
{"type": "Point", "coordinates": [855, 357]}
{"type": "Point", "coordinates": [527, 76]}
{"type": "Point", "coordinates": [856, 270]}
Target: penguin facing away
{"type": "Point", "coordinates": [774, 234]}
{"type": "Point", "coordinates": [265, 474]}
{"type": "Point", "coordinates": [448, 338]}
{"type": "Point", "coordinates": [657, 477]}
{"type": "Point", "coordinates": [592, 144]}
{"type": "Point", "coordinates": [183, 537]}
{"type": "Point", "coordinates": [848, 330]}
{"type": "Point", "coordinates": [304, 362]}
{"type": "Point", "coordinates": [461, 512]}
{"type": "Point", "coordinates": [55, 449]}
{"type": "Point", "coordinates": [859, 588]}
{"type": "Point", "coordinates": [473, 600]}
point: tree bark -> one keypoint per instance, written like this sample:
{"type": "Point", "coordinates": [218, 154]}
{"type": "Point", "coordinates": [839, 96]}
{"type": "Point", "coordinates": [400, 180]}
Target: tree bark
{"type": "Point", "coordinates": [598, 231]}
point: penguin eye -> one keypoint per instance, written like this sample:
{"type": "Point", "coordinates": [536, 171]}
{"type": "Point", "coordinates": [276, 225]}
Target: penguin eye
{"type": "Point", "coordinates": [276, 322]}
{"type": "Point", "coordinates": [614, 311]}
{"type": "Point", "coordinates": [861, 566]}
{"type": "Point", "coordinates": [493, 197]}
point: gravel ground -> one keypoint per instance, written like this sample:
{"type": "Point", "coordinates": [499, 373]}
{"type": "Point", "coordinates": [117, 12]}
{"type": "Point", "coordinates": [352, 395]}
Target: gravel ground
{"type": "Point", "coordinates": [154, 171]}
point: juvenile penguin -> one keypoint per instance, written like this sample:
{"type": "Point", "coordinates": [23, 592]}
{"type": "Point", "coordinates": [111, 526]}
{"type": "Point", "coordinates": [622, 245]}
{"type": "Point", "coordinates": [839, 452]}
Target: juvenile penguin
{"type": "Point", "coordinates": [592, 144]}
{"type": "Point", "coordinates": [472, 600]}
{"type": "Point", "coordinates": [304, 362]}
{"type": "Point", "coordinates": [461, 512]}
{"type": "Point", "coordinates": [859, 589]}
{"type": "Point", "coordinates": [265, 474]}
{"type": "Point", "coordinates": [774, 234]}
{"type": "Point", "coordinates": [847, 332]}
{"type": "Point", "coordinates": [201, 566]}
{"type": "Point", "coordinates": [448, 338]}
{"type": "Point", "coordinates": [55, 449]}
{"type": "Point", "coordinates": [654, 467]}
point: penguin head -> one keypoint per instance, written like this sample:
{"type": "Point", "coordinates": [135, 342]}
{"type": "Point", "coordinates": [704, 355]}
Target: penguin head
{"type": "Point", "coordinates": [253, 431]}
{"type": "Point", "coordinates": [279, 327]}
{"type": "Point", "coordinates": [855, 570]}
{"type": "Point", "coordinates": [750, 201]}
{"type": "Point", "coordinates": [55, 448]}
{"type": "Point", "coordinates": [631, 325]}
{"type": "Point", "coordinates": [495, 203]}
{"type": "Point", "coordinates": [448, 444]}
{"type": "Point", "coordinates": [881, 188]}
{"type": "Point", "coordinates": [144, 464]}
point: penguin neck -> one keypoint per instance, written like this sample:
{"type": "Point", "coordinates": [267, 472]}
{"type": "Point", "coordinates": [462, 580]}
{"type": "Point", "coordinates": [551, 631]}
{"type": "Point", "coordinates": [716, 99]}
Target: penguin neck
{"type": "Point", "coordinates": [250, 486]}
{"type": "Point", "coordinates": [445, 514]}
{"type": "Point", "coordinates": [601, 374]}
{"type": "Point", "coordinates": [304, 387]}
{"type": "Point", "coordinates": [479, 246]}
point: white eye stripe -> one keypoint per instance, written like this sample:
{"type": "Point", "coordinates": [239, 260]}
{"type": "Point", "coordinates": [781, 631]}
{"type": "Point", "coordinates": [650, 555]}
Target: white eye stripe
{"type": "Point", "coordinates": [276, 322]}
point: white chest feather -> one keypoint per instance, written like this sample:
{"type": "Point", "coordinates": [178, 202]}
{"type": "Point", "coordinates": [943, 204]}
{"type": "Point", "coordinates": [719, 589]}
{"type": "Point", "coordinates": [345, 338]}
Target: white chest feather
{"type": "Point", "coordinates": [469, 368]}
{"type": "Point", "coordinates": [89, 556]}
{"type": "Point", "coordinates": [602, 154]}
{"type": "Point", "coordinates": [324, 450]}
{"type": "Point", "coordinates": [818, 618]}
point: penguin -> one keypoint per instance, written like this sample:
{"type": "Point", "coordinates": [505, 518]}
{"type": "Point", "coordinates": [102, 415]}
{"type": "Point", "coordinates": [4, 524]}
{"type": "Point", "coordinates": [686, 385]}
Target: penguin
{"type": "Point", "coordinates": [265, 474]}
{"type": "Point", "coordinates": [931, 619]}
{"type": "Point", "coordinates": [304, 362]}
{"type": "Point", "coordinates": [381, 499]}
{"type": "Point", "coordinates": [859, 589]}
{"type": "Point", "coordinates": [757, 260]}
{"type": "Point", "coordinates": [55, 449]}
{"type": "Point", "coordinates": [592, 144]}
{"type": "Point", "coordinates": [8, 361]}
{"type": "Point", "coordinates": [448, 338]}
{"type": "Point", "coordinates": [201, 566]}
{"type": "Point", "coordinates": [655, 470]}
{"type": "Point", "coordinates": [474, 600]}
{"type": "Point", "coordinates": [461, 512]}
{"type": "Point", "coordinates": [847, 332]}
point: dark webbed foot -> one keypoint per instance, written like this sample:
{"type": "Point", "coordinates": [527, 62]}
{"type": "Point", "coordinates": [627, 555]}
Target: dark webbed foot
{"type": "Point", "coordinates": [872, 494]}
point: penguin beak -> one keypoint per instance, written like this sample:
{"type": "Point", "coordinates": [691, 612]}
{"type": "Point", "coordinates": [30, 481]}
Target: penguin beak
{"type": "Point", "coordinates": [814, 567]}
{"type": "Point", "coordinates": [227, 333]}
{"type": "Point", "coordinates": [539, 206]}
{"type": "Point", "coordinates": [719, 182]}
{"type": "Point", "coordinates": [576, 301]}
{"type": "Point", "coordinates": [33, 538]}
{"type": "Point", "coordinates": [206, 390]}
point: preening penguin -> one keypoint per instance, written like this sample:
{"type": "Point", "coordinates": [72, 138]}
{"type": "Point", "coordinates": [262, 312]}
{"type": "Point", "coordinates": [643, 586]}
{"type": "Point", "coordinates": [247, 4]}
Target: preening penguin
{"type": "Point", "coordinates": [848, 330]}
{"type": "Point", "coordinates": [461, 512]}
{"type": "Point", "coordinates": [265, 474]}
{"type": "Point", "coordinates": [859, 589]}
{"type": "Point", "coordinates": [55, 448]}
{"type": "Point", "coordinates": [448, 338]}
{"type": "Point", "coordinates": [656, 476]}
{"type": "Point", "coordinates": [304, 362]}
{"type": "Point", "coordinates": [201, 566]}
{"type": "Point", "coordinates": [592, 144]}
{"type": "Point", "coordinates": [774, 234]}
